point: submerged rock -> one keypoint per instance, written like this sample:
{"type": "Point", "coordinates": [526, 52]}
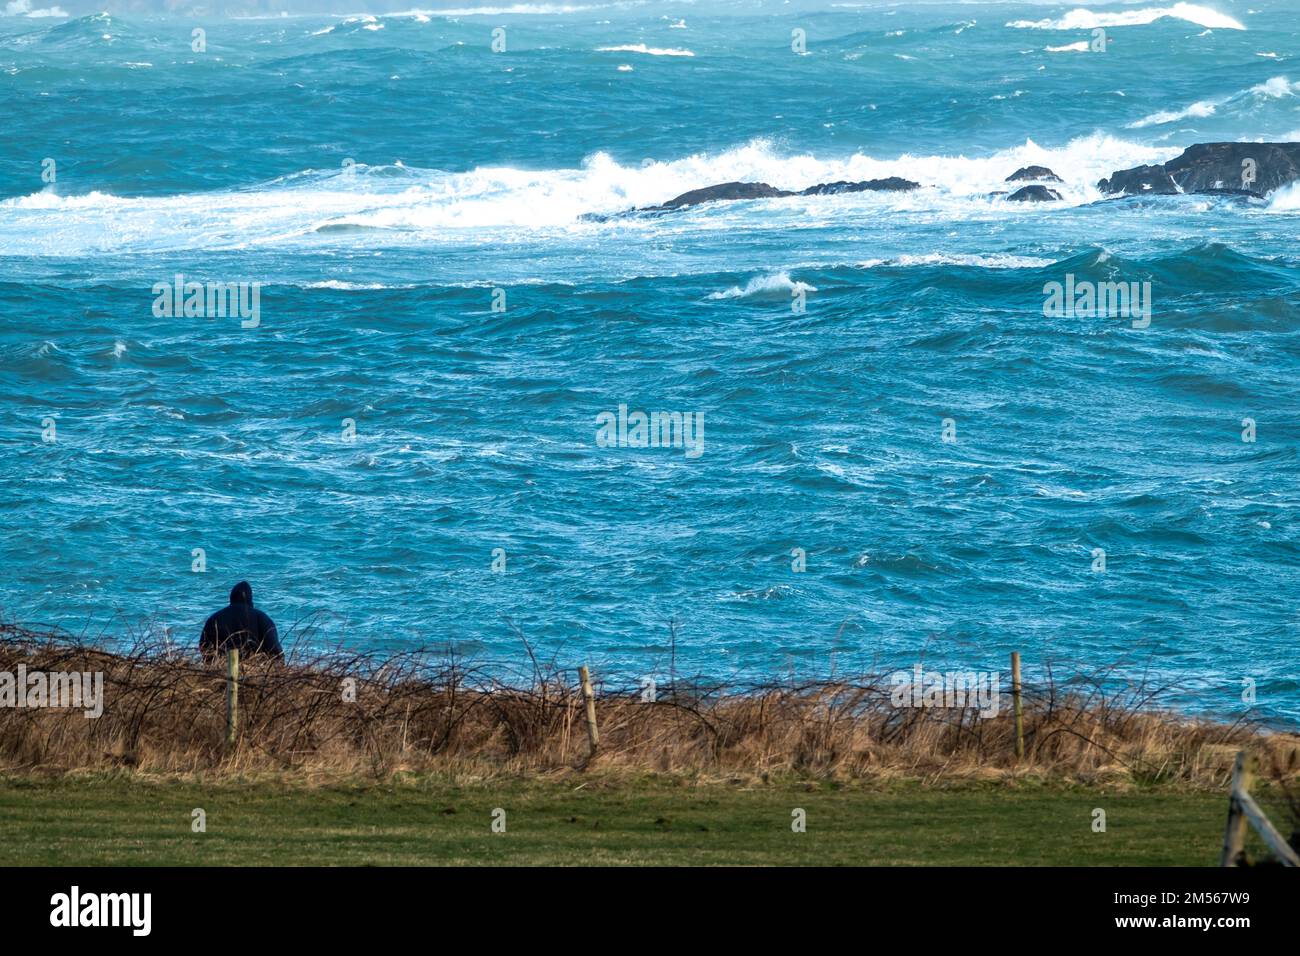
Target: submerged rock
{"type": "Point", "coordinates": [891, 184]}
{"type": "Point", "coordinates": [1034, 194]}
{"type": "Point", "coordinates": [1252, 169]}
{"type": "Point", "coordinates": [1029, 174]}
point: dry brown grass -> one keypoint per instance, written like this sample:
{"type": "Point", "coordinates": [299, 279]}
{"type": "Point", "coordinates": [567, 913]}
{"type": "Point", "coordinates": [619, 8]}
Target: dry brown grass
{"type": "Point", "coordinates": [165, 713]}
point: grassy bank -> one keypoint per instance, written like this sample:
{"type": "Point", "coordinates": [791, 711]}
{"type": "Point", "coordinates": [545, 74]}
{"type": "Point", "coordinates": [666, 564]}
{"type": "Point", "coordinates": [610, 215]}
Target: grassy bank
{"type": "Point", "coordinates": [126, 820]}
{"type": "Point", "coordinates": [404, 760]}
{"type": "Point", "coordinates": [164, 712]}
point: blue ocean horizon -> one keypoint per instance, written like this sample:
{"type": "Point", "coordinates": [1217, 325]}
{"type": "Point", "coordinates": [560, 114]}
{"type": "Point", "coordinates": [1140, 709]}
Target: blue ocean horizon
{"type": "Point", "coordinates": [416, 425]}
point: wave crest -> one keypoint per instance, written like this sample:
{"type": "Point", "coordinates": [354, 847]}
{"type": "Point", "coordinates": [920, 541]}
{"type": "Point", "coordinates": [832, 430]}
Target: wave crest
{"type": "Point", "coordinates": [1274, 88]}
{"type": "Point", "coordinates": [991, 261]}
{"type": "Point", "coordinates": [778, 284]}
{"type": "Point", "coordinates": [1085, 19]}
{"type": "Point", "coordinates": [642, 48]}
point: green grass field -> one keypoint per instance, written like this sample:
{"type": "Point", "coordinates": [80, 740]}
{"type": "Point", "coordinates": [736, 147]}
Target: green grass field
{"type": "Point", "coordinates": [125, 821]}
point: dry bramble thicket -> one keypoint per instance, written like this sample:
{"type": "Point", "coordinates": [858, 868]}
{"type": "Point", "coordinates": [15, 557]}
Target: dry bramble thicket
{"type": "Point", "coordinates": [165, 713]}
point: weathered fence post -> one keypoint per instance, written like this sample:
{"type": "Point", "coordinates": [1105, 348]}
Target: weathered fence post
{"type": "Point", "coordinates": [1234, 836]}
{"type": "Point", "coordinates": [593, 735]}
{"type": "Point", "coordinates": [1243, 809]}
{"type": "Point", "coordinates": [232, 695]}
{"type": "Point", "coordinates": [1019, 710]}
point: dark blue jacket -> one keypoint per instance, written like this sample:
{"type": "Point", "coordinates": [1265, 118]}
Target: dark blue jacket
{"type": "Point", "coordinates": [241, 626]}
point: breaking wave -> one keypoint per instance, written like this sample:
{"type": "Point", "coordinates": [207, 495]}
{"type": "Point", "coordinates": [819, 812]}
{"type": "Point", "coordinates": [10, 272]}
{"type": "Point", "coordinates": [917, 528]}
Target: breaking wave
{"type": "Point", "coordinates": [400, 202]}
{"type": "Point", "coordinates": [1084, 19]}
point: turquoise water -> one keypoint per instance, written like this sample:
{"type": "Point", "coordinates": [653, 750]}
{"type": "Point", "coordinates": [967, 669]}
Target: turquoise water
{"type": "Point", "coordinates": [389, 180]}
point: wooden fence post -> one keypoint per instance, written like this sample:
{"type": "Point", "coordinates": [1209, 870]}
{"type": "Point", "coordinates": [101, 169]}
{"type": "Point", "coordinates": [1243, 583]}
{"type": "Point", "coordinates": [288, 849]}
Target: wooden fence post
{"type": "Point", "coordinates": [1243, 809]}
{"type": "Point", "coordinates": [1019, 710]}
{"type": "Point", "coordinates": [593, 735]}
{"type": "Point", "coordinates": [232, 695]}
{"type": "Point", "coordinates": [1234, 837]}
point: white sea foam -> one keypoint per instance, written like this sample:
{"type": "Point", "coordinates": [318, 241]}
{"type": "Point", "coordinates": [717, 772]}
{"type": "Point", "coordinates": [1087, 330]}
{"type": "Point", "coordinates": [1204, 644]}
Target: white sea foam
{"type": "Point", "coordinates": [1275, 87]}
{"type": "Point", "coordinates": [1199, 109]}
{"type": "Point", "coordinates": [991, 261]}
{"type": "Point", "coordinates": [642, 48]}
{"type": "Point", "coordinates": [1286, 199]}
{"type": "Point", "coordinates": [1080, 47]}
{"type": "Point", "coordinates": [47, 199]}
{"type": "Point", "coordinates": [511, 10]}
{"type": "Point", "coordinates": [1085, 19]}
{"type": "Point", "coordinates": [768, 285]}
{"type": "Point", "coordinates": [420, 15]}
{"type": "Point", "coordinates": [404, 205]}
{"type": "Point", "coordinates": [341, 285]}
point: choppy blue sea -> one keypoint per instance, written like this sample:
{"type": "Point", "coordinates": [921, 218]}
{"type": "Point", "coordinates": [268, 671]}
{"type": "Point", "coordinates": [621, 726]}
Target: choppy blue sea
{"type": "Point", "coordinates": [445, 312]}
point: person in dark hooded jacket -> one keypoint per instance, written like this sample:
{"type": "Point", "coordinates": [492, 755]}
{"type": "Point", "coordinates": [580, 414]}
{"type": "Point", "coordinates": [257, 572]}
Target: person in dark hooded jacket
{"type": "Point", "coordinates": [240, 626]}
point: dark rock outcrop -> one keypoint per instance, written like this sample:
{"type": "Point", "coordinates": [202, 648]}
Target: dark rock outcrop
{"type": "Point", "coordinates": [1252, 169]}
{"type": "Point", "coordinates": [1247, 169]}
{"type": "Point", "coordinates": [892, 184]}
{"type": "Point", "coordinates": [1034, 194]}
{"type": "Point", "coordinates": [723, 191]}
{"type": "Point", "coordinates": [730, 191]}
{"type": "Point", "coordinates": [1139, 181]}
{"type": "Point", "coordinates": [1031, 174]}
